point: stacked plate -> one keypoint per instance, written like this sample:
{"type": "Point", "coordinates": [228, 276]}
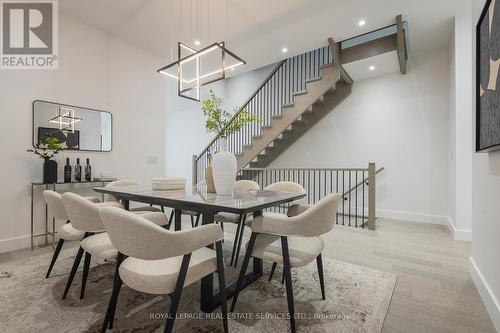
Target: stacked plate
{"type": "Point", "coordinates": [169, 183]}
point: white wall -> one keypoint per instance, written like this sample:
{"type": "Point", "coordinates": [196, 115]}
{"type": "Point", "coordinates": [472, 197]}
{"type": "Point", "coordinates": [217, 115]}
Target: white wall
{"type": "Point", "coordinates": [95, 71]}
{"type": "Point", "coordinates": [451, 134]}
{"type": "Point", "coordinates": [461, 127]}
{"type": "Point", "coordinates": [484, 266]}
{"type": "Point", "coordinates": [400, 123]}
{"type": "Point", "coordinates": [185, 130]}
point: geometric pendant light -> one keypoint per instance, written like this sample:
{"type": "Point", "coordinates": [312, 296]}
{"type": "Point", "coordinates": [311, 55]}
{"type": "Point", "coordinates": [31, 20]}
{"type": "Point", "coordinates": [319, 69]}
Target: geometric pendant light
{"type": "Point", "coordinates": [196, 68]}
{"type": "Point", "coordinates": [65, 119]}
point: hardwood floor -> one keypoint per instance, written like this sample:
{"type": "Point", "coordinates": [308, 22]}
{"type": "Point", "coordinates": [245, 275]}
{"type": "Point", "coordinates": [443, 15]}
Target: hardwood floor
{"type": "Point", "coordinates": [434, 292]}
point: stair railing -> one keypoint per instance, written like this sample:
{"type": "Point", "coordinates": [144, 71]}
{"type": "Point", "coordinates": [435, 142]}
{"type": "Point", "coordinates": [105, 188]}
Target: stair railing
{"type": "Point", "coordinates": [288, 77]}
{"type": "Point", "coordinates": [356, 185]}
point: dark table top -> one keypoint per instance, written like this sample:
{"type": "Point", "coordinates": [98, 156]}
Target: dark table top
{"type": "Point", "coordinates": [199, 200]}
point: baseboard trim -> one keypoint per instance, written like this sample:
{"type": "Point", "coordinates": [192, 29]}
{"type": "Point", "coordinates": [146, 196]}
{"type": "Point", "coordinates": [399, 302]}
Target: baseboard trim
{"type": "Point", "coordinates": [459, 234]}
{"type": "Point", "coordinates": [490, 301]}
{"type": "Point", "coordinates": [412, 217]}
{"type": "Point", "coordinates": [16, 243]}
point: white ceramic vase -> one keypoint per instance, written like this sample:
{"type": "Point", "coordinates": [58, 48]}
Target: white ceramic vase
{"type": "Point", "coordinates": [224, 168]}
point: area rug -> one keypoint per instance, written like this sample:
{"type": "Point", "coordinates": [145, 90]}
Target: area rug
{"type": "Point", "coordinates": [357, 300]}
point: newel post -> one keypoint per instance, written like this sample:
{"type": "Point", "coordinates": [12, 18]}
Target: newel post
{"type": "Point", "coordinates": [371, 196]}
{"type": "Point", "coordinates": [195, 170]}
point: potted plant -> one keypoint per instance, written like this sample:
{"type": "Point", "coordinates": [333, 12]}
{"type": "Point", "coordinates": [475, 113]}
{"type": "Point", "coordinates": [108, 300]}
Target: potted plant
{"type": "Point", "coordinates": [48, 147]}
{"type": "Point", "coordinates": [222, 123]}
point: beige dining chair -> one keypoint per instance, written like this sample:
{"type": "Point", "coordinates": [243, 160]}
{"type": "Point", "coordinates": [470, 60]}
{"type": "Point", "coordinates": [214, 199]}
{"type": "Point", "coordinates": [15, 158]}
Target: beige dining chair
{"type": "Point", "coordinates": [67, 232]}
{"type": "Point", "coordinates": [291, 187]}
{"type": "Point", "coordinates": [293, 241]}
{"type": "Point", "coordinates": [159, 261]}
{"type": "Point", "coordinates": [240, 220]}
{"type": "Point", "coordinates": [84, 216]}
{"type": "Point", "coordinates": [129, 182]}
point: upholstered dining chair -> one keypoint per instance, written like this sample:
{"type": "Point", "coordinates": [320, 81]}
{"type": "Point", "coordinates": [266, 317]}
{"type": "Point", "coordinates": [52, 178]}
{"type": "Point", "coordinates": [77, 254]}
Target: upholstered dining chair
{"type": "Point", "coordinates": [291, 187]}
{"type": "Point", "coordinates": [67, 232]}
{"type": "Point", "coordinates": [84, 216]}
{"type": "Point", "coordinates": [285, 187]}
{"type": "Point", "coordinates": [129, 182]}
{"type": "Point", "coordinates": [237, 219]}
{"type": "Point", "coordinates": [159, 261]}
{"type": "Point", "coordinates": [194, 216]}
{"type": "Point", "coordinates": [292, 241]}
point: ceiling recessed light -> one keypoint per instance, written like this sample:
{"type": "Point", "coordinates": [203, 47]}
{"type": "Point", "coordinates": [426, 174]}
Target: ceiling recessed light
{"type": "Point", "coordinates": [284, 50]}
{"type": "Point", "coordinates": [361, 23]}
{"type": "Point", "coordinates": [372, 68]}
{"type": "Point", "coordinates": [188, 93]}
{"type": "Point", "coordinates": [197, 42]}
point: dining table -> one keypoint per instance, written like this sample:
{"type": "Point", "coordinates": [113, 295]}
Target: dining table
{"type": "Point", "coordinates": [198, 199]}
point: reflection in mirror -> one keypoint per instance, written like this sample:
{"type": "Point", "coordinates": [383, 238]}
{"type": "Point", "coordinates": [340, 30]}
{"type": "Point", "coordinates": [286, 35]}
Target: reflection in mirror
{"type": "Point", "coordinates": [76, 128]}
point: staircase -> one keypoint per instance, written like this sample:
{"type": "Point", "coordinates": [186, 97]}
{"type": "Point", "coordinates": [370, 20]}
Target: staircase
{"type": "Point", "coordinates": [298, 93]}
{"type": "Point", "coordinates": [320, 97]}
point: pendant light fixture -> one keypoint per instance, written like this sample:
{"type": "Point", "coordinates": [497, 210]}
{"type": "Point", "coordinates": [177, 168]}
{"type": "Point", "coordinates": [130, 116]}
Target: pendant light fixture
{"type": "Point", "coordinates": [65, 119]}
{"type": "Point", "coordinates": [195, 68]}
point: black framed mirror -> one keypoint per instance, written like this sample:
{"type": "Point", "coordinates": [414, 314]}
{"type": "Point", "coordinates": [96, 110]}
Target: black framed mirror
{"type": "Point", "coordinates": [77, 128]}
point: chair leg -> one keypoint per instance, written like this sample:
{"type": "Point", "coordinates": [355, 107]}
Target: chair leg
{"type": "Point", "coordinates": [119, 259]}
{"type": "Point", "coordinates": [110, 313]}
{"type": "Point", "coordinates": [76, 263]}
{"type": "Point", "coordinates": [192, 221]}
{"type": "Point", "coordinates": [319, 262]}
{"type": "Point", "coordinates": [272, 271]}
{"type": "Point", "coordinates": [171, 218]}
{"type": "Point", "coordinates": [162, 209]}
{"type": "Point", "coordinates": [288, 280]}
{"type": "Point", "coordinates": [282, 277]}
{"type": "Point", "coordinates": [236, 238]}
{"type": "Point", "coordinates": [197, 219]}
{"type": "Point", "coordinates": [169, 325]}
{"type": "Point", "coordinates": [243, 270]}
{"type": "Point", "coordinates": [222, 227]}
{"type": "Point", "coordinates": [222, 284]}
{"type": "Point", "coordinates": [54, 256]}
{"type": "Point", "coordinates": [242, 231]}
{"type": "Point", "coordinates": [86, 267]}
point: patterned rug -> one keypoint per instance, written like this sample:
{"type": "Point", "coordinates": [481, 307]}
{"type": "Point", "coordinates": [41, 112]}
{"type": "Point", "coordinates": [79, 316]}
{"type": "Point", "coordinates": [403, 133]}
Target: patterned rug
{"type": "Point", "coordinates": [357, 300]}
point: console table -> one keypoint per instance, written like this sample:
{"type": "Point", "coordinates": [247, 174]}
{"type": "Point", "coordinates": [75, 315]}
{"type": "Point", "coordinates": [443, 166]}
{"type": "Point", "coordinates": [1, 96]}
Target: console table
{"type": "Point", "coordinates": [55, 187]}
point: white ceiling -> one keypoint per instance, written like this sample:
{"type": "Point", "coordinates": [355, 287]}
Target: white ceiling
{"type": "Point", "coordinates": [257, 30]}
{"type": "Point", "coordinates": [382, 64]}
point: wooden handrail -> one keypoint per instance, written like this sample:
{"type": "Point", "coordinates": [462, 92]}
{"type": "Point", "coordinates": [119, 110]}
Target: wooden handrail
{"type": "Point", "coordinates": [299, 169]}
{"type": "Point", "coordinates": [361, 183]}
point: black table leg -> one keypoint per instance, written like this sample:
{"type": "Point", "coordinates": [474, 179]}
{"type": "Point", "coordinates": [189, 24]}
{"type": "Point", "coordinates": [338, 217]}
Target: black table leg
{"type": "Point", "coordinates": [258, 264]}
{"type": "Point", "coordinates": [177, 219]}
{"type": "Point", "coordinates": [126, 204]}
{"type": "Point", "coordinates": [209, 302]}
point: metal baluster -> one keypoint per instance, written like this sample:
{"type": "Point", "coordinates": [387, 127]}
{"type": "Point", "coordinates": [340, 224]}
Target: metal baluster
{"type": "Point", "coordinates": [309, 184]}
{"type": "Point", "coordinates": [356, 200]}
{"type": "Point", "coordinates": [343, 200]}
{"type": "Point", "coordinates": [318, 62]}
{"type": "Point", "coordinates": [314, 187]}
{"type": "Point", "coordinates": [349, 197]}
{"type": "Point", "coordinates": [364, 183]}
{"type": "Point", "coordinates": [299, 72]}
{"type": "Point", "coordinates": [325, 172]}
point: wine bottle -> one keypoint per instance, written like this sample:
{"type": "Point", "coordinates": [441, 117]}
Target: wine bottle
{"type": "Point", "coordinates": [88, 171]}
{"type": "Point", "coordinates": [67, 172]}
{"type": "Point", "coordinates": [78, 171]}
